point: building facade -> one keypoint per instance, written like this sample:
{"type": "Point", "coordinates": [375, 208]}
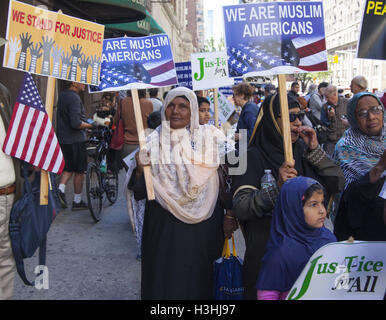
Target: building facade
{"type": "Point", "coordinates": [172, 17]}
{"type": "Point", "coordinates": [195, 23]}
{"type": "Point", "coordinates": [342, 20]}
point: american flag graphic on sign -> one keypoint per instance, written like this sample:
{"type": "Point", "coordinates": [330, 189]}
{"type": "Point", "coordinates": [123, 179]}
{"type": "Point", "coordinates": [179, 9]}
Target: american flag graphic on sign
{"type": "Point", "coordinates": [156, 74]}
{"type": "Point", "coordinates": [300, 54]}
{"type": "Point", "coordinates": [30, 136]}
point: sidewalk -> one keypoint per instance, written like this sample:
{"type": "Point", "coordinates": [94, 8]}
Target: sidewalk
{"type": "Point", "coordinates": [88, 260]}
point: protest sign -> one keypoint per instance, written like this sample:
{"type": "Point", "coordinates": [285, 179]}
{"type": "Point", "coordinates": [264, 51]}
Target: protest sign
{"type": "Point", "coordinates": [225, 107]}
{"type": "Point", "coordinates": [372, 40]}
{"type": "Point", "coordinates": [184, 74]}
{"type": "Point", "coordinates": [210, 70]}
{"type": "Point", "coordinates": [343, 271]}
{"type": "Point", "coordinates": [275, 38]}
{"type": "Point", "coordinates": [53, 44]}
{"type": "Point", "coordinates": [228, 91]}
{"type": "Point", "coordinates": [136, 62]}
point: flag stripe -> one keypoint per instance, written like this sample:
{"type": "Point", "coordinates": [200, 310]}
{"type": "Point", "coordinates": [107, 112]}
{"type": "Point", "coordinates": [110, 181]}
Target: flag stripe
{"type": "Point", "coordinates": [168, 82]}
{"type": "Point", "coordinates": [54, 158]}
{"type": "Point", "coordinates": [42, 144]}
{"type": "Point", "coordinates": [38, 139]}
{"type": "Point", "coordinates": [23, 116]}
{"type": "Point", "coordinates": [161, 69]}
{"type": "Point", "coordinates": [312, 48]}
{"type": "Point", "coordinates": [34, 137]}
{"type": "Point", "coordinates": [25, 128]}
{"type": "Point", "coordinates": [314, 59]}
{"type": "Point", "coordinates": [30, 133]}
{"type": "Point", "coordinates": [50, 147]}
{"type": "Point", "coordinates": [315, 67]}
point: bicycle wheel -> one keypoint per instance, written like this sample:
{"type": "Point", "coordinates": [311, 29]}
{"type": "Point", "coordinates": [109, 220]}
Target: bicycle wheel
{"type": "Point", "coordinates": [94, 191]}
{"type": "Point", "coordinates": [111, 184]}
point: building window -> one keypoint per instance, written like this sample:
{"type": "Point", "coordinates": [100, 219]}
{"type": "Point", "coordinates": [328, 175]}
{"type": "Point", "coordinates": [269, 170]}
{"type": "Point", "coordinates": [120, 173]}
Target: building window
{"type": "Point", "coordinates": [376, 70]}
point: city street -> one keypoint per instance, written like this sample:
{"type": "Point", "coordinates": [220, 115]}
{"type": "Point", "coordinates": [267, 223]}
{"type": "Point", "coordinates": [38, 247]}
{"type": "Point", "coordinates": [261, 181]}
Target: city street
{"type": "Point", "coordinates": [88, 260]}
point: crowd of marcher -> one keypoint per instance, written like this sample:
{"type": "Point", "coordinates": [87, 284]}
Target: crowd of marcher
{"type": "Point", "coordinates": [337, 174]}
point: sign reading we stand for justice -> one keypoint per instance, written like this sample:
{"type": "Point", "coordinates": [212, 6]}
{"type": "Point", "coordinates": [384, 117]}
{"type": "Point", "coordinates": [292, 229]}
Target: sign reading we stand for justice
{"type": "Point", "coordinates": [53, 44]}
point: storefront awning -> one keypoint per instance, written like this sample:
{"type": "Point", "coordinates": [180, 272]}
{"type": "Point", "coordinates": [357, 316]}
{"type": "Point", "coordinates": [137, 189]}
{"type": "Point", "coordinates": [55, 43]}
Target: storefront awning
{"type": "Point", "coordinates": [142, 27]}
{"type": "Point", "coordinates": [110, 11]}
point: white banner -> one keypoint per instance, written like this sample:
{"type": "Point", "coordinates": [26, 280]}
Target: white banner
{"type": "Point", "coordinates": [343, 271]}
{"type": "Point", "coordinates": [210, 70]}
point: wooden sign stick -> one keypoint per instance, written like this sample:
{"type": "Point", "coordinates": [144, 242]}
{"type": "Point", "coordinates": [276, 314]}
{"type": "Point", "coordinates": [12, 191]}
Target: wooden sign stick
{"type": "Point", "coordinates": [215, 94]}
{"type": "Point", "coordinates": [49, 108]}
{"type": "Point", "coordinates": [44, 177]}
{"type": "Point", "coordinates": [142, 143]}
{"type": "Point", "coordinates": [287, 143]}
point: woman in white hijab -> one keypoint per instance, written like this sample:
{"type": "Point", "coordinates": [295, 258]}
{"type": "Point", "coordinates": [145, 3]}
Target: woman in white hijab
{"type": "Point", "coordinates": [183, 228]}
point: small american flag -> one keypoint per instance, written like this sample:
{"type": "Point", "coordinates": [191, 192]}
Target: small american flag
{"type": "Point", "coordinates": [306, 54]}
{"type": "Point", "coordinates": [30, 136]}
{"type": "Point", "coordinates": [156, 74]}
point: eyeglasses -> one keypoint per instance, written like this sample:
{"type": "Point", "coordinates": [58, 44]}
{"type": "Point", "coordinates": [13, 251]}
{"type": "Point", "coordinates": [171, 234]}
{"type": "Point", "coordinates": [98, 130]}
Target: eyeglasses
{"type": "Point", "coordinates": [294, 116]}
{"type": "Point", "coordinates": [374, 111]}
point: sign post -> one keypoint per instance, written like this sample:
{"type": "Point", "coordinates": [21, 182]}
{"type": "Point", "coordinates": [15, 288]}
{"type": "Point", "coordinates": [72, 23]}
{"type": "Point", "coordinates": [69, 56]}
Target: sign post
{"type": "Point", "coordinates": [216, 107]}
{"type": "Point", "coordinates": [142, 142]}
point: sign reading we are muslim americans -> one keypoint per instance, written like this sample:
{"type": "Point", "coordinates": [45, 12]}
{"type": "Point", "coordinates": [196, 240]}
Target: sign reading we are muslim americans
{"type": "Point", "coordinates": [275, 38]}
{"type": "Point", "coordinates": [140, 62]}
{"type": "Point", "coordinates": [53, 44]}
{"type": "Point", "coordinates": [343, 271]}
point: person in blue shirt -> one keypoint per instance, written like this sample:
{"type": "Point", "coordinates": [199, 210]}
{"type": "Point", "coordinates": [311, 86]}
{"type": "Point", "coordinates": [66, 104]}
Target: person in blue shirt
{"type": "Point", "coordinates": [242, 93]}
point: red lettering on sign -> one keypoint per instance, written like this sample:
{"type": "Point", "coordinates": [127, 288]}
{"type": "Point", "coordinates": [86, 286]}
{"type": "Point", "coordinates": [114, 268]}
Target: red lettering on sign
{"type": "Point", "coordinates": [18, 16]}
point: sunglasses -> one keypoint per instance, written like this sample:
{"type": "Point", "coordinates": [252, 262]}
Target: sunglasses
{"type": "Point", "coordinates": [294, 116]}
{"type": "Point", "coordinates": [373, 110]}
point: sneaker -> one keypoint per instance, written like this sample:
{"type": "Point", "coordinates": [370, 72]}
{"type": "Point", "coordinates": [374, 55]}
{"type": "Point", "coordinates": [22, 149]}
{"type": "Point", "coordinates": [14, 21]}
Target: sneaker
{"type": "Point", "coordinates": [62, 199]}
{"type": "Point", "coordinates": [79, 206]}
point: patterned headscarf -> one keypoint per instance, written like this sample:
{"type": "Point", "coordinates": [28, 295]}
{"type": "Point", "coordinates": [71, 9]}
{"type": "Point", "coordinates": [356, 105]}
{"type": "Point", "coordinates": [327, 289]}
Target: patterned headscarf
{"type": "Point", "coordinates": [357, 152]}
{"type": "Point", "coordinates": [185, 171]}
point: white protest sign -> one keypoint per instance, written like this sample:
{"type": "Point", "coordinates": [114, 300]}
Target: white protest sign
{"type": "Point", "coordinates": [210, 70]}
{"type": "Point", "coordinates": [343, 271]}
{"type": "Point", "coordinates": [225, 107]}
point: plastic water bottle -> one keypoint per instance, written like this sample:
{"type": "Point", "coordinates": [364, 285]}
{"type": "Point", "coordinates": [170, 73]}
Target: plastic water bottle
{"type": "Point", "coordinates": [267, 180]}
{"type": "Point", "coordinates": [103, 167]}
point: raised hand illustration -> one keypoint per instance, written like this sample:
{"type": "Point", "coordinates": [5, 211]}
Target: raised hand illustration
{"type": "Point", "coordinates": [56, 55]}
{"type": "Point", "coordinates": [46, 45]}
{"type": "Point", "coordinates": [75, 55]}
{"type": "Point", "coordinates": [66, 60]}
{"type": "Point", "coordinates": [25, 44]}
{"type": "Point", "coordinates": [14, 48]}
{"type": "Point", "coordinates": [83, 64]}
{"type": "Point", "coordinates": [35, 55]}
{"type": "Point", "coordinates": [95, 62]}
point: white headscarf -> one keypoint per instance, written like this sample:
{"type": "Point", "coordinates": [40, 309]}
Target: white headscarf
{"type": "Point", "coordinates": [185, 164]}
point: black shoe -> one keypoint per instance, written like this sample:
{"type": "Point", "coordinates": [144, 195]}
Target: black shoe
{"type": "Point", "coordinates": [62, 199]}
{"type": "Point", "coordinates": [79, 206]}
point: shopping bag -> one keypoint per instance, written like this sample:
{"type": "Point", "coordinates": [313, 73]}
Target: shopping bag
{"type": "Point", "coordinates": [228, 276]}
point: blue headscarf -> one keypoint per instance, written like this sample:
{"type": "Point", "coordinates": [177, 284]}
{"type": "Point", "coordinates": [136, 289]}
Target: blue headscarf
{"type": "Point", "coordinates": [292, 241]}
{"type": "Point", "coordinates": [356, 152]}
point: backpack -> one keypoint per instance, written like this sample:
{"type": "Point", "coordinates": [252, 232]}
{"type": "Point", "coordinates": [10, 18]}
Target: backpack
{"type": "Point", "coordinates": [29, 222]}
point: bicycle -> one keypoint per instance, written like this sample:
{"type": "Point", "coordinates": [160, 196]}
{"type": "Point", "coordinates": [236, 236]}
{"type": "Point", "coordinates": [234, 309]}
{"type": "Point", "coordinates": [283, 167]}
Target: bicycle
{"type": "Point", "coordinates": [102, 175]}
